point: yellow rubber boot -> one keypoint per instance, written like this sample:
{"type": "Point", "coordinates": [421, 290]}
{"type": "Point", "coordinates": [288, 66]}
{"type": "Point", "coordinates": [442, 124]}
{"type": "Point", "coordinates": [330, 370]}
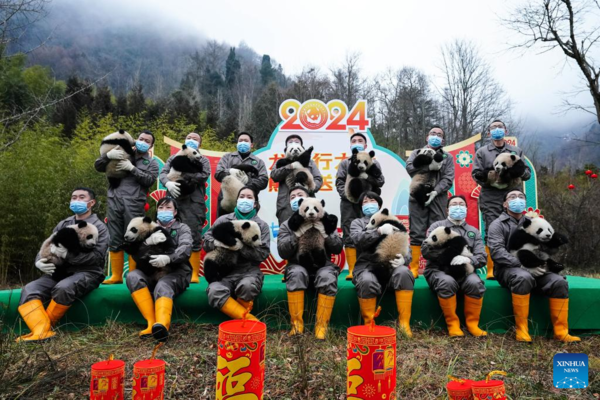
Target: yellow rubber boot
{"type": "Point", "coordinates": [145, 303]}
{"type": "Point", "coordinates": [404, 305]}
{"type": "Point", "coordinates": [521, 309]}
{"type": "Point", "coordinates": [235, 310]}
{"type": "Point", "coordinates": [55, 312]}
{"type": "Point", "coordinates": [367, 308]}
{"type": "Point", "coordinates": [414, 264]}
{"type": "Point", "coordinates": [472, 314]}
{"type": "Point", "coordinates": [296, 306]}
{"type": "Point", "coordinates": [117, 259]}
{"type": "Point", "coordinates": [351, 260]}
{"type": "Point", "coordinates": [36, 319]}
{"type": "Point", "coordinates": [490, 265]}
{"type": "Point", "coordinates": [131, 263]}
{"type": "Point", "coordinates": [324, 308]}
{"type": "Point", "coordinates": [195, 262]}
{"type": "Point", "coordinates": [246, 304]}
{"type": "Point", "coordinates": [559, 315]}
{"type": "Point", "coordinates": [449, 308]}
{"type": "Point", "coordinates": [163, 308]}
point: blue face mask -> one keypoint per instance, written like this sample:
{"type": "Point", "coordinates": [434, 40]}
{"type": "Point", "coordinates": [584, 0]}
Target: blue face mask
{"type": "Point", "coordinates": [142, 147]}
{"type": "Point", "coordinates": [517, 206]}
{"type": "Point", "coordinates": [457, 213]}
{"type": "Point", "coordinates": [245, 205]}
{"type": "Point", "coordinates": [294, 203]}
{"type": "Point", "coordinates": [78, 207]}
{"type": "Point", "coordinates": [357, 146]}
{"type": "Point", "coordinates": [192, 143]}
{"type": "Point", "coordinates": [497, 133]}
{"type": "Point", "coordinates": [243, 147]}
{"type": "Point", "coordinates": [165, 216]}
{"type": "Point", "coordinates": [370, 209]}
{"type": "Point", "coordinates": [434, 141]}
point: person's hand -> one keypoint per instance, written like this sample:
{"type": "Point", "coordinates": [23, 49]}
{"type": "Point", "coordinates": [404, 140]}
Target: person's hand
{"type": "Point", "coordinates": [43, 265]}
{"type": "Point", "coordinates": [173, 188]}
{"type": "Point", "coordinates": [296, 165]}
{"type": "Point", "coordinates": [242, 176]}
{"type": "Point", "coordinates": [398, 261]}
{"type": "Point", "coordinates": [535, 272]}
{"type": "Point", "coordinates": [155, 238]}
{"type": "Point", "coordinates": [363, 175]}
{"type": "Point", "coordinates": [435, 166]}
{"type": "Point", "coordinates": [460, 260]}
{"type": "Point", "coordinates": [125, 165]}
{"type": "Point", "coordinates": [59, 251]}
{"type": "Point", "coordinates": [386, 229]}
{"type": "Point", "coordinates": [431, 196]}
{"type": "Point", "coordinates": [116, 154]}
{"type": "Point", "coordinates": [160, 261]}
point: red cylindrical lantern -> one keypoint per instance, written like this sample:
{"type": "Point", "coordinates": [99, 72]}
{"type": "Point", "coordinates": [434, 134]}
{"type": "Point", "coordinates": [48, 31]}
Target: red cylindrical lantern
{"type": "Point", "coordinates": [371, 363]}
{"type": "Point", "coordinates": [459, 389]}
{"type": "Point", "coordinates": [241, 359]}
{"type": "Point", "coordinates": [149, 380]}
{"type": "Point", "coordinates": [107, 380]}
{"type": "Point", "coordinates": [489, 389]}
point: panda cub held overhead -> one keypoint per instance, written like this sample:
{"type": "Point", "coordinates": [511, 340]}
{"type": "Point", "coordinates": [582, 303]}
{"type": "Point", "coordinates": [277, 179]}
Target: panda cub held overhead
{"type": "Point", "coordinates": [451, 252]}
{"type": "Point", "coordinates": [234, 234]}
{"type": "Point", "coordinates": [362, 175]}
{"type": "Point", "coordinates": [231, 186]}
{"type": "Point", "coordinates": [424, 181]}
{"type": "Point", "coordinates": [300, 175]}
{"type": "Point", "coordinates": [185, 163]}
{"type": "Point", "coordinates": [117, 140]}
{"type": "Point", "coordinates": [507, 172]}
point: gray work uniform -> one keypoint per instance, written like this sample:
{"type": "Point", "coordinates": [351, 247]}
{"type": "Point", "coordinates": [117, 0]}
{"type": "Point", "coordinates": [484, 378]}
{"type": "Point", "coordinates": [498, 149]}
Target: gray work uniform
{"type": "Point", "coordinates": [507, 268]}
{"type": "Point", "coordinates": [246, 280]}
{"type": "Point", "coordinates": [348, 210]}
{"type": "Point", "coordinates": [192, 208]}
{"type": "Point", "coordinates": [492, 198]}
{"type": "Point", "coordinates": [284, 210]}
{"type": "Point", "coordinates": [443, 284]}
{"type": "Point", "coordinates": [175, 282]}
{"type": "Point", "coordinates": [86, 269]}
{"type": "Point", "coordinates": [230, 160]}
{"type": "Point", "coordinates": [421, 217]}
{"type": "Point", "coordinates": [367, 285]}
{"type": "Point", "coordinates": [296, 276]}
{"type": "Point", "coordinates": [127, 201]}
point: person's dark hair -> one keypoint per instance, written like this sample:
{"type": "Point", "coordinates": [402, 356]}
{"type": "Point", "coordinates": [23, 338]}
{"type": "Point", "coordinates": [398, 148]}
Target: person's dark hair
{"type": "Point", "coordinates": [293, 137]}
{"type": "Point", "coordinates": [358, 134]}
{"type": "Point", "coordinates": [460, 196]}
{"type": "Point", "coordinates": [513, 190]}
{"type": "Point", "coordinates": [256, 202]}
{"type": "Point", "coordinates": [168, 200]}
{"type": "Point", "coordinates": [147, 132]}
{"type": "Point", "coordinates": [437, 126]}
{"type": "Point", "coordinates": [496, 120]}
{"type": "Point", "coordinates": [90, 192]}
{"type": "Point", "coordinates": [303, 188]}
{"type": "Point", "coordinates": [247, 134]}
{"type": "Point", "coordinates": [371, 195]}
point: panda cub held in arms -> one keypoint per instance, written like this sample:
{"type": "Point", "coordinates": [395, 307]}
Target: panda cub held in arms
{"type": "Point", "coordinates": [362, 175]}
{"type": "Point", "coordinates": [535, 242]}
{"type": "Point", "coordinates": [300, 175]}
{"type": "Point", "coordinates": [117, 140]}
{"type": "Point", "coordinates": [507, 172]}
{"type": "Point", "coordinates": [140, 229]}
{"type": "Point", "coordinates": [234, 234]}
{"type": "Point", "coordinates": [311, 225]}
{"type": "Point", "coordinates": [231, 186]}
{"type": "Point", "coordinates": [450, 252]}
{"type": "Point", "coordinates": [393, 241]}
{"type": "Point", "coordinates": [185, 163]}
{"type": "Point", "coordinates": [76, 238]}
{"type": "Point", "coordinates": [424, 181]}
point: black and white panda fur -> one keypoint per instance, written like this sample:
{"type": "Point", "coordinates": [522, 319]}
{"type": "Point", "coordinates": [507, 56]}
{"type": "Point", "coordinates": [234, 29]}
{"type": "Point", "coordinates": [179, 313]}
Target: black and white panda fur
{"type": "Point", "coordinates": [362, 175]}
{"type": "Point", "coordinates": [185, 163]}
{"type": "Point", "coordinates": [424, 181]}
{"type": "Point", "coordinates": [507, 172]}
{"type": "Point", "coordinates": [123, 141]}
{"type": "Point", "coordinates": [76, 238]}
{"type": "Point", "coordinates": [221, 261]}
{"type": "Point", "coordinates": [535, 242]}
{"type": "Point", "coordinates": [445, 245]}
{"type": "Point", "coordinates": [231, 186]}
{"type": "Point", "coordinates": [140, 229]}
{"type": "Point", "coordinates": [311, 225]}
{"type": "Point", "coordinates": [299, 176]}
{"type": "Point", "coordinates": [388, 245]}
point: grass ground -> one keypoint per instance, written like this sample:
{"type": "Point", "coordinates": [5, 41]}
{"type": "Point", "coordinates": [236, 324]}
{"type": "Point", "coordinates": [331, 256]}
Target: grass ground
{"type": "Point", "coordinates": [296, 368]}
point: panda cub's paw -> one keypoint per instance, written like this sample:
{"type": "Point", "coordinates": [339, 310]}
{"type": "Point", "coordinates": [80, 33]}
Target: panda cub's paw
{"type": "Point", "coordinates": [387, 229]}
{"type": "Point", "coordinates": [237, 246]}
{"type": "Point", "coordinates": [459, 260]}
{"type": "Point", "coordinates": [363, 175]}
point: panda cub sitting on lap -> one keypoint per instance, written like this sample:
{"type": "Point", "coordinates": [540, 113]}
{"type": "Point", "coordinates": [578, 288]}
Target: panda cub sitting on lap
{"type": "Point", "coordinates": [450, 252]}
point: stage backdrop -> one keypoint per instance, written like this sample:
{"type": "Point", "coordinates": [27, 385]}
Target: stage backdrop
{"type": "Point", "coordinates": [325, 126]}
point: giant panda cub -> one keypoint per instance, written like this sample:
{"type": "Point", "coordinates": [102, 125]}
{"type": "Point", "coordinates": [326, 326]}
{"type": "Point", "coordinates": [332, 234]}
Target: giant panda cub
{"type": "Point", "coordinates": [140, 229]}
{"type": "Point", "coordinates": [123, 141]}
{"type": "Point", "coordinates": [535, 242]}
{"type": "Point", "coordinates": [185, 163]}
{"type": "Point", "coordinates": [507, 172]}
{"type": "Point", "coordinates": [294, 152]}
{"type": "Point", "coordinates": [446, 245]}
{"type": "Point", "coordinates": [76, 238]}
{"type": "Point", "coordinates": [385, 249]}
{"type": "Point", "coordinates": [231, 186]}
{"type": "Point", "coordinates": [424, 182]}
{"type": "Point", "coordinates": [311, 225]}
{"type": "Point", "coordinates": [362, 175]}
{"type": "Point", "coordinates": [221, 261]}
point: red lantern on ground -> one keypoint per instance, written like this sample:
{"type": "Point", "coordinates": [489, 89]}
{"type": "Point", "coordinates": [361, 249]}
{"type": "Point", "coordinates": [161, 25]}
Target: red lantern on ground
{"type": "Point", "coordinates": [490, 389]}
{"type": "Point", "coordinates": [149, 378]}
{"type": "Point", "coordinates": [107, 380]}
{"type": "Point", "coordinates": [588, 172]}
{"type": "Point", "coordinates": [241, 359]}
{"type": "Point", "coordinates": [459, 389]}
{"type": "Point", "coordinates": [571, 186]}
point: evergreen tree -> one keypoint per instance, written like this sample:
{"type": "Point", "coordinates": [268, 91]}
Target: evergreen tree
{"type": "Point", "coordinates": [121, 107]}
{"type": "Point", "coordinates": [136, 102]}
{"type": "Point", "coordinates": [267, 72]}
{"type": "Point", "coordinates": [102, 103]}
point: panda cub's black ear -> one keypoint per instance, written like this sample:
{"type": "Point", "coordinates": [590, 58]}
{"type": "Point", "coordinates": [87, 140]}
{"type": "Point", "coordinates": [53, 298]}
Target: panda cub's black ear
{"type": "Point", "coordinates": [447, 230]}
{"type": "Point", "coordinates": [372, 153]}
{"type": "Point", "coordinates": [121, 131]}
{"type": "Point", "coordinates": [147, 220]}
{"type": "Point", "coordinates": [355, 151]}
{"type": "Point", "coordinates": [385, 211]}
{"type": "Point", "coordinates": [246, 225]}
{"type": "Point", "coordinates": [513, 157]}
{"type": "Point", "coordinates": [300, 201]}
{"type": "Point", "coordinates": [82, 224]}
{"type": "Point", "coordinates": [526, 223]}
{"type": "Point", "coordinates": [323, 202]}
{"type": "Point", "coordinates": [183, 147]}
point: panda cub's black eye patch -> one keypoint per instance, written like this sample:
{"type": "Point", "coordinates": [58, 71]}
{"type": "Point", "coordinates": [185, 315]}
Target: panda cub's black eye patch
{"type": "Point", "coordinates": [254, 238]}
{"type": "Point", "coordinates": [539, 231]}
{"type": "Point", "coordinates": [434, 238]}
{"type": "Point", "coordinates": [134, 230]}
{"type": "Point", "coordinates": [89, 236]}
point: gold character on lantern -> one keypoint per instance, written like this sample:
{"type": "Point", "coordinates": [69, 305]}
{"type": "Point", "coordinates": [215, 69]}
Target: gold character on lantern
{"type": "Point", "coordinates": [354, 381]}
{"type": "Point", "coordinates": [230, 384]}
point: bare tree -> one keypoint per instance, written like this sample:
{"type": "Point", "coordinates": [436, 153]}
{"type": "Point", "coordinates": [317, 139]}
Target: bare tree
{"type": "Point", "coordinates": [309, 84]}
{"type": "Point", "coordinates": [16, 16]}
{"type": "Point", "coordinates": [347, 83]}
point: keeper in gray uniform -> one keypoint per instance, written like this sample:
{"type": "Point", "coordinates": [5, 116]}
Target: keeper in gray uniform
{"type": "Point", "coordinates": [85, 272]}
{"type": "Point", "coordinates": [348, 210]}
{"type": "Point", "coordinates": [491, 198]}
{"type": "Point", "coordinates": [279, 175]}
{"type": "Point", "coordinates": [296, 276]}
{"type": "Point", "coordinates": [233, 295]}
{"type": "Point", "coordinates": [243, 155]}
{"type": "Point", "coordinates": [521, 281]}
{"type": "Point", "coordinates": [445, 286]}
{"type": "Point", "coordinates": [367, 285]}
{"type": "Point", "coordinates": [127, 201]}
{"type": "Point", "coordinates": [192, 207]}
{"type": "Point", "coordinates": [422, 216]}
{"type": "Point", "coordinates": [154, 298]}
